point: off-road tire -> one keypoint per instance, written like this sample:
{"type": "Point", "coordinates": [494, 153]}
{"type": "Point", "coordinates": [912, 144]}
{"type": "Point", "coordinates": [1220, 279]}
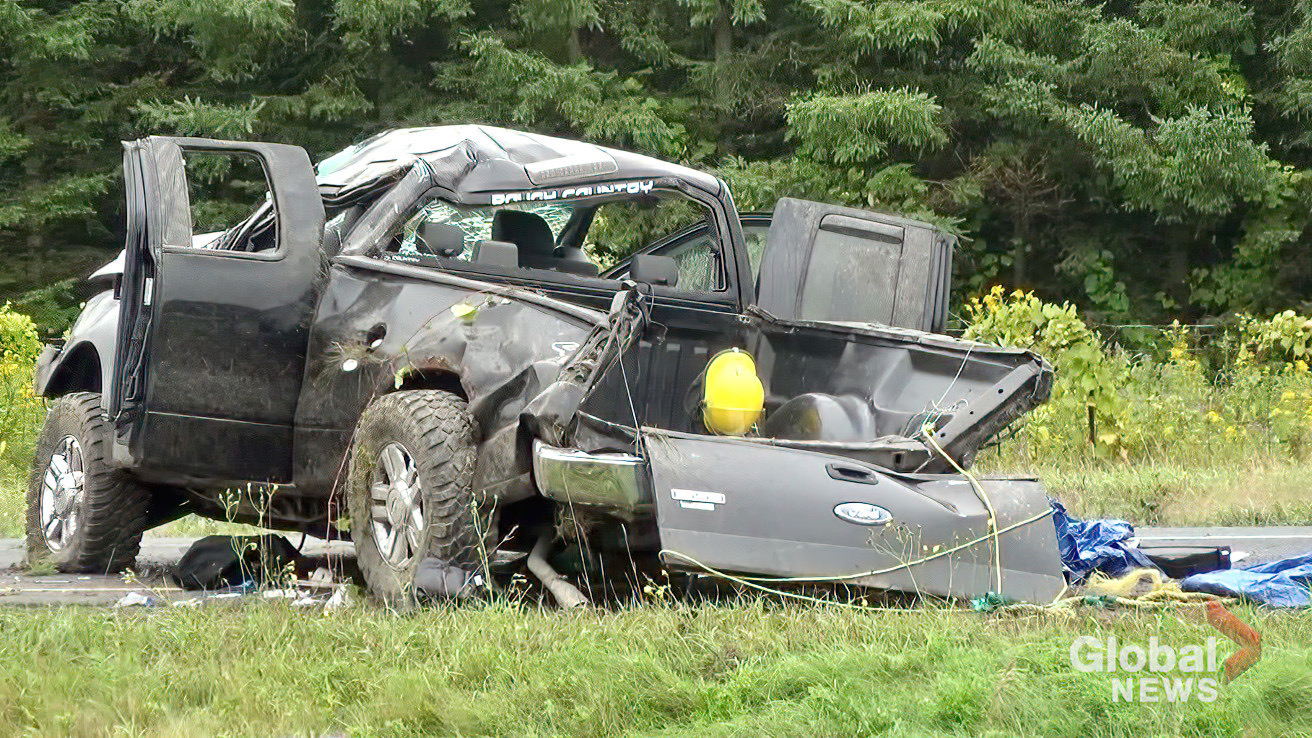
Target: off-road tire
{"type": "Point", "coordinates": [438, 432]}
{"type": "Point", "coordinates": [114, 506]}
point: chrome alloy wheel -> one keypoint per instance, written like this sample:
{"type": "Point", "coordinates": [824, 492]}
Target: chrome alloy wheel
{"type": "Point", "coordinates": [62, 490]}
{"type": "Point", "coordinates": [397, 506]}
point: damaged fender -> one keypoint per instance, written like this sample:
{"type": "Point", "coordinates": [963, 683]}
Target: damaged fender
{"type": "Point", "coordinates": [497, 348]}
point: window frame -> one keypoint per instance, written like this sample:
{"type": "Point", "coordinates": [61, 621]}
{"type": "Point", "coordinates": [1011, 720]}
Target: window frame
{"type": "Point", "coordinates": [276, 254]}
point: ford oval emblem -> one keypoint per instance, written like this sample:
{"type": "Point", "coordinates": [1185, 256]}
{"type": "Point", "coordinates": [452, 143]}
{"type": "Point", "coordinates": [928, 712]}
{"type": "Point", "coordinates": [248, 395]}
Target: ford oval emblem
{"type": "Point", "coordinates": [862, 513]}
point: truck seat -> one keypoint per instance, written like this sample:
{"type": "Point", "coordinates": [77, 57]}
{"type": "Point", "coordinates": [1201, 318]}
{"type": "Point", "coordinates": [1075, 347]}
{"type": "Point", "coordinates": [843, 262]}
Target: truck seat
{"type": "Point", "coordinates": [530, 233]}
{"type": "Point", "coordinates": [537, 247]}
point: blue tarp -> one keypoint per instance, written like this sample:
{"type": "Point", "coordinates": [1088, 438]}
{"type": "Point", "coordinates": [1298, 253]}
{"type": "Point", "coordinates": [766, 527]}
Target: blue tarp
{"type": "Point", "coordinates": [1283, 583]}
{"type": "Point", "coordinates": [1095, 545]}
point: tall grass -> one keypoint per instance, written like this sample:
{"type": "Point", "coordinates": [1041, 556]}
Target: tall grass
{"type": "Point", "coordinates": [1188, 399]}
{"type": "Point", "coordinates": [1174, 412]}
{"type": "Point", "coordinates": [738, 670]}
{"type": "Point", "coordinates": [21, 413]}
{"type": "Point", "coordinates": [1181, 427]}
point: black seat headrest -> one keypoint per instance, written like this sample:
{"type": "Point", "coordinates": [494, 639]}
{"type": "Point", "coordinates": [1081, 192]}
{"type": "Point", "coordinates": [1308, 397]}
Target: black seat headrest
{"type": "Point", "coordinates": [528, 231]}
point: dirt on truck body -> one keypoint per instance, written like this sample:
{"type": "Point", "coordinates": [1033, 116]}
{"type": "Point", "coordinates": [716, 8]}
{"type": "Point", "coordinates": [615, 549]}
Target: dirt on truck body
{"type": "Point", "coordinates": [416, 337]}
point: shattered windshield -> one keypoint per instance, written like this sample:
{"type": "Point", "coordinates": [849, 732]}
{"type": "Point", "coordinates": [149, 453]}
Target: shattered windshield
{"type": "Point", "coordinates": [476, 223]}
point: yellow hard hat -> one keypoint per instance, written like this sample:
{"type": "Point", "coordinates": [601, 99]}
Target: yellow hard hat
{"type": "Point", "coordinates": [734, 397]}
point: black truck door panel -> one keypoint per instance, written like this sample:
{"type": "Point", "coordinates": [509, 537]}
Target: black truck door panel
{"type": "Point", "coordinates": [830, 263]}
{"type": "Point", "coordinates": [223, 333]}
{"type": "Point", "coordinates": [684, 332]}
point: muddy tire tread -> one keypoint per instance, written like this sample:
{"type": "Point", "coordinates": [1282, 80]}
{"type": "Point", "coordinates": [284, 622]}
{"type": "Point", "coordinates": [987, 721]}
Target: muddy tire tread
{"type": "Point", "coordinates": [440, 434]}
{"type": "Point", "coordinates": [116, 506]}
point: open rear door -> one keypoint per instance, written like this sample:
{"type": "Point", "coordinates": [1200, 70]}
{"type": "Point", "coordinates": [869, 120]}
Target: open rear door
{"type": "Point", "coordinates": [743, 506]}
{"type": "Point", "coordinates": [213, 327]}
{"type": "Point", "coordinates": [836, 264]}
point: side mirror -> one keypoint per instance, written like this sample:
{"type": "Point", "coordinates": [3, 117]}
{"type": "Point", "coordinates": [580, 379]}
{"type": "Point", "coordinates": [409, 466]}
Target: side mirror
{"type": "Point", "coordinates": [654, 270]}
{"type": "Point", "coordinates": [442, 239]}
{"type": "Point", "coordinates": [496, 253]}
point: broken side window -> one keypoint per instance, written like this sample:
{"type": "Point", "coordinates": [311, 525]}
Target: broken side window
{"type": "Point", "coordinates": [230, 203]}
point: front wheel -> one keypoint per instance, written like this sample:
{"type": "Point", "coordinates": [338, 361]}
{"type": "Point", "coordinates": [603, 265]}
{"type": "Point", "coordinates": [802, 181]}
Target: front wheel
{"type": "Point", "coordinates": [82, 514]}
{"type": "Point", "coordinates": [413, 517]}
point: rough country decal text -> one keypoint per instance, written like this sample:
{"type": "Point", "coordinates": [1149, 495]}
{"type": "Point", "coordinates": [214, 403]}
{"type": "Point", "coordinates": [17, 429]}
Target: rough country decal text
{"type": "Point", "coordinates": [632, 188]}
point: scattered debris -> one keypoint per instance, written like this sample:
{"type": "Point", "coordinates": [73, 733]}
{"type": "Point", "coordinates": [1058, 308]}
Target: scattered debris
{"type": "Point", "coordinates": [437, 578]}
{"type": "Point", "coordinates": [1087, 546]}
{"type": "Point", "coordinates": [340, 600]}
{"type": "Point", "coordinates": [321, 577]}
{"type": "Point", "coordinates": [1178, 562]}
{"type": "Point", "coordinates": [215, 562]}
{"type": "Point", "coordinates": [1283, 583]}
{"type": "Point", "coordinates": [138, 599]}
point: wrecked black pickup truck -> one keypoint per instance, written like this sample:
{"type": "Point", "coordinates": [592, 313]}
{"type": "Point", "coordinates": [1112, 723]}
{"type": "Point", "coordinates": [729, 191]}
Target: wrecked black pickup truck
{"type": "Point", "coordinates": [415, 342]}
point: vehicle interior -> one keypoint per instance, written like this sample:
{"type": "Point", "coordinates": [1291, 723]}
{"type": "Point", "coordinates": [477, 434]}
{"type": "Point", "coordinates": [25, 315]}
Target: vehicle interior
{"type": "Point", "coordinates": [697, 241]}
{"type": "Point", "coordinates": [581, 237]}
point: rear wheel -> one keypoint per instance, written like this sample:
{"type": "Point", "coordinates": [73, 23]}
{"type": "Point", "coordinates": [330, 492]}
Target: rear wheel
{"type": "Point", "coordinates": [409, 496]}
{"type": "Point", "coordinates": [82, 514]}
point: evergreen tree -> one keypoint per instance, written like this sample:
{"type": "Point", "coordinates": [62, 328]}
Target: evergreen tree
{"type": "Point", "coordinates": [1148, 159]}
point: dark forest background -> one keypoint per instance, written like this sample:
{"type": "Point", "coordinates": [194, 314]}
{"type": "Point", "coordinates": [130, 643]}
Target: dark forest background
{"type": "Point", "coordinates": [1146, 160]}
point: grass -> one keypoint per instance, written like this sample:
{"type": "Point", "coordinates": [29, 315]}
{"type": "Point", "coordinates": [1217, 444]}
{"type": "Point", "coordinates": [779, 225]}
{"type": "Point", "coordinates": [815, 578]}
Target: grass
{"type": "Point", "coordinates": [662, 670]}
{"type": "Point", "coordinates": [1256, 493]}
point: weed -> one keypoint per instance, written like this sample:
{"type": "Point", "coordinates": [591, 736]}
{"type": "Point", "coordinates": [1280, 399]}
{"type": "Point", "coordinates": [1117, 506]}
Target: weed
{"type": "Point", "coordinates": [41, 566]}
{"type": "Point", "coordinates": [267, 669]}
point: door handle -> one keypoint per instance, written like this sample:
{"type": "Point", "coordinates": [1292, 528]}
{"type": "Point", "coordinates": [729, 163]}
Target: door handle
{"type": "Point", "coordinates": [846, 473]}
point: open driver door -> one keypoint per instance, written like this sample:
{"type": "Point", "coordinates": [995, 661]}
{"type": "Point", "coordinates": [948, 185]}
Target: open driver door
{"type": "Point", "coordinates": [211, 340]}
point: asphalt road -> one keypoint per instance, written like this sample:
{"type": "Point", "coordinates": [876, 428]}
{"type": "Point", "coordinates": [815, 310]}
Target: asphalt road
{"type": "Point", "coordinates": [18, 588]}
{"type": "Point", "coordinates": [1249, 546]}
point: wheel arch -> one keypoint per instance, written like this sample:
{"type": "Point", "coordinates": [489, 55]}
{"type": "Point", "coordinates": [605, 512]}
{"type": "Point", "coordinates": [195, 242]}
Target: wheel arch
{"type": "Point", "coordinates": [86, 362]}
{"type": "Point", "coordinates": [431, 378]}
{"type": "Point", "coordinates": [79, 370]}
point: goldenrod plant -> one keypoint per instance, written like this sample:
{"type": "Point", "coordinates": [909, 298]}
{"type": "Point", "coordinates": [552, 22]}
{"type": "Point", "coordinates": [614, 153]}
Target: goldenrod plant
{"type": "Point", "coordinates": [1189, 405]}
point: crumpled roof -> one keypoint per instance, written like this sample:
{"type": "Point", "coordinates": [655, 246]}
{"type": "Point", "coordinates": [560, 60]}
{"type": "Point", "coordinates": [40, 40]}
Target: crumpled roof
{"type": "Point", "coordinates": [473, 158]}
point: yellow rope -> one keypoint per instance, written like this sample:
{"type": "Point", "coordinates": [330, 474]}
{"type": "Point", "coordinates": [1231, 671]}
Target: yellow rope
{"type": "Point", "coordinates": [1064, 607]}
{"type": "Point", "coordinates": [744, 581]}
{"type": "Point", "coordinates": [1124, 586]}
{"type": "Point", "coordinates": [928, 432]}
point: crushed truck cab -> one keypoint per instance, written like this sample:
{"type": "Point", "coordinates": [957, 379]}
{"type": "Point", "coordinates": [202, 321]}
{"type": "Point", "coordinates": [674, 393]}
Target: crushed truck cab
{"type": "Point", "coordinates": [421, 342]}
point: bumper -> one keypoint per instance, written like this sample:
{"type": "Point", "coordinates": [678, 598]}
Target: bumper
{"type": "Point", "coordinates": [611, 480]}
